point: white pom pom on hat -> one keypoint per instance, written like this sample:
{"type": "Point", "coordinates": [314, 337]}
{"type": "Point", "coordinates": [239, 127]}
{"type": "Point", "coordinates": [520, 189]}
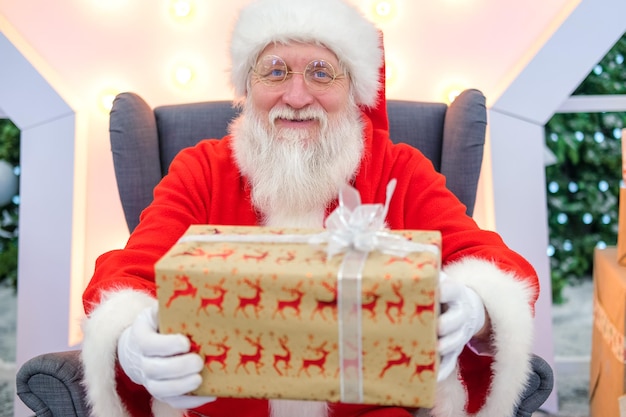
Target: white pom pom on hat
{"type": "Point", "coordinates": [333, 23]}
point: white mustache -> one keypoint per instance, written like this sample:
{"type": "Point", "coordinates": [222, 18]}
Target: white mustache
{"type": "Point", "coordinates": [288, 113]}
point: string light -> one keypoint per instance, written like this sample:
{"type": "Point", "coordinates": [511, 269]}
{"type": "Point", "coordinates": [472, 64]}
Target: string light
{"type": "Point", "coordinates": [181, 9]}
{"type": "Point", "coordinates": [553, 187]}
{"type": "Point", "coordinates": [384, 10]}
{"type": "Point", "coordinates": [452, 95]}
{"type": "Point", "coordinates": [452, 88]}
{"type": "Point", "coordinates": [105, 99]}
{"type": "Point", "coordinates": [598, 137]}
{"type": "Point", "coordinates": [183, 75]}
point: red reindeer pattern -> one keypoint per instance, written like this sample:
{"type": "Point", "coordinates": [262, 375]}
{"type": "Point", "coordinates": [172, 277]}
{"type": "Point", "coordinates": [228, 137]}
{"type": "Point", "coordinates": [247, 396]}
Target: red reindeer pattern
{"type": "Point", "coordinates": [217, 301]}
{"type": "Point", "coordinates": [393, 260]}
{"type": "Point", "coordinates": [396, 357]}
{"type": "Point", "coordinates": [224, 254]}
{"type": "Point", "coordinates": [370, 301]}
{"type": "Point", "coordinates": [398, 305]}
{"type": "Point", "coordinates": [420, 309]}
{"type": "Point", "coordinates": [318, 257]}
{"type": "Point", "coordinates": [258, 257]}
{"type": "Point", "coordinates": [319, 361]}
{"type": "Point", "coordinates": [193, 346]}
{"type": "Point", "coordinates": [291, 255]}
{"type": "Point", "coordinates": [429, 367]}
{"type": "Point", "coordinates": [321, 305]}
{"type": "Point", "coordinates": [255, 358]}
{"type": "Point", "coordinates": [220, 357]}
{"type": "Point", "coordinates": [285, 358]}
{"type": "Point", "coordinates": [254, 301]}
{"type": "Point", "coordinates": [188, 289]}
{"type": "Point", "coordinates": [191, 252]}
{"type": "Point", "coordinates": [294, 302]}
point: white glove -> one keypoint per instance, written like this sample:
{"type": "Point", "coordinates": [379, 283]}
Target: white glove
{"type": "Point", "coordinates": [461, 318]}
{"type": "Point", "coordinates": [161, 363]}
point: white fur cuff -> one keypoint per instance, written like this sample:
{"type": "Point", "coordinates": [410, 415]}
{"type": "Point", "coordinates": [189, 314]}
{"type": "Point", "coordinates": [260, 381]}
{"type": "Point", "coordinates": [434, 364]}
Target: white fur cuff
{"type": "Point", "coordinates": [507, 301]}
{"type": "Point", "coordinates": [101, 331]}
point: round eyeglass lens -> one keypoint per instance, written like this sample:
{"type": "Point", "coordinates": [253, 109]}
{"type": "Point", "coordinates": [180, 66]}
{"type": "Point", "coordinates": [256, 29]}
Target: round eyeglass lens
{"type": "Point", "coordinates": [319, 73]}
{"type": "Point", "coordinates": [271, 69]}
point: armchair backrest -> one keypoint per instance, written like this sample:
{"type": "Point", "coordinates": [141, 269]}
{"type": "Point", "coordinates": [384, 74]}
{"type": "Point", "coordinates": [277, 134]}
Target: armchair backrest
{"type": "Point", "coordinates": [144, 140]}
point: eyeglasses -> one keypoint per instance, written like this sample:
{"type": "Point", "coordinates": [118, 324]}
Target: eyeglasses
{"type": "Point", "coordinates": [318, 74]}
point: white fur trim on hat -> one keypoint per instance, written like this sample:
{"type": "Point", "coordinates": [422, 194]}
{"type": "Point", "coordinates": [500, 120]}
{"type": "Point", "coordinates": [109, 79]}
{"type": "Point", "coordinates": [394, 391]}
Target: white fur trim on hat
{"type": "Point", "coordinates": [333, 23]}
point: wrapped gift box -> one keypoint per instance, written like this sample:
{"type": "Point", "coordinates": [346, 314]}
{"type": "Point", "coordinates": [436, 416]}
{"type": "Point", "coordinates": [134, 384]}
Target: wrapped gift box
{"type": "Point", "coordinates": [266, 319]}
{"type": "Point", "coordinates": [607, 381]}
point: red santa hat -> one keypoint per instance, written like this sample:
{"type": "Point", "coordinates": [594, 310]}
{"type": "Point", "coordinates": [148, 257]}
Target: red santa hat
{"type": "Point", "coordinates": [333, 23]}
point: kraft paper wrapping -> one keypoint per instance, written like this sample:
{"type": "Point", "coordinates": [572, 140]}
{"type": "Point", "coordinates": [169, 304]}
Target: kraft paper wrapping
{"type": "Point", "coordinates": [621, 231]}
{"type": "Point", "coordinates": [264, 318]}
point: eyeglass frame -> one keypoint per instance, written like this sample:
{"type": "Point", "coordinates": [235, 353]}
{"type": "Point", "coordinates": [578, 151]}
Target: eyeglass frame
{"type": "Point", "coordinates": [288, 72]}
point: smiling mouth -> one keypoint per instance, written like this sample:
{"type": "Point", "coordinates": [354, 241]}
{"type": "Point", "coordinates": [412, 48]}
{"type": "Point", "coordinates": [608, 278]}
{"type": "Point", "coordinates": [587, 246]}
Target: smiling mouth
{"type": "Point", "coordinates": [285, 121]}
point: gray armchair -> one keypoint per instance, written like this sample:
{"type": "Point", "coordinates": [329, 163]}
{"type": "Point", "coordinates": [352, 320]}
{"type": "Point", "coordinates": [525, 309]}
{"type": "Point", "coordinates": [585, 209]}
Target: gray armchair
{"type": "Point", "coordinates": [144, 141]}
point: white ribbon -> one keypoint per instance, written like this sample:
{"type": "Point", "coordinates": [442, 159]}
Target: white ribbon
{"type": "Point", "coordinates": [360, 227]}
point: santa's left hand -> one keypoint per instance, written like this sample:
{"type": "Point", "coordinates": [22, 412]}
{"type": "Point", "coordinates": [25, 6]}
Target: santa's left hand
{"type": "Point", "coordinates": [463, 315]}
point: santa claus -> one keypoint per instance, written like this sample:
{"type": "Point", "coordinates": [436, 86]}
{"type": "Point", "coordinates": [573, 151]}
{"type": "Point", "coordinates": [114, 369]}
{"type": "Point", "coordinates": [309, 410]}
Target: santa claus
{"type": "Point", "coordinates": [307, 76]}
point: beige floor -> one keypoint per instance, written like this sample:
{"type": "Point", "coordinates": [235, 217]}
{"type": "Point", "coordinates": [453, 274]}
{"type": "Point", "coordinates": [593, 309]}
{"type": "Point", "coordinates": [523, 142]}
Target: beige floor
{"type": "Point", "coordinates": [572, 323]}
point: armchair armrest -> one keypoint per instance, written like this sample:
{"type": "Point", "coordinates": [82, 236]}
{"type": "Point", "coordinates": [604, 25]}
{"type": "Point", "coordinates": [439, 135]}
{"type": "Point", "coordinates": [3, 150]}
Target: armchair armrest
{"type": "Point", "coordinates": [538, 388]}
{"type": "Point", "coordinates": [50, 385]}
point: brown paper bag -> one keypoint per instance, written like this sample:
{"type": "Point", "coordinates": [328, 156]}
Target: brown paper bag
{"type": "Point", "coordinates": [621, 230]}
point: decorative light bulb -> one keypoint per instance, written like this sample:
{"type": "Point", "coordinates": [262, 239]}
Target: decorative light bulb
{"type": "Point", "coordinates": [181, 9]}
{"type": "Point", "coordinates": [452, 95]}
{"type": "Point", "coordinates": [105, 99]}
{"type": "Point", "coordinates": [603, 186]}
{"type": "Point", "coordinates": [553, 187]}
{"type": "Point", "coordinates": [183, 75]}
{"type": "Point", "coordinates": [384, 10]}
{"type": "Point", "coordinates": [598, 137]}
{"type": "Point", "coordinates": [568, 246]}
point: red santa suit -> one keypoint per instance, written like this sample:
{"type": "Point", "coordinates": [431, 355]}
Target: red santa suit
{"type": "Point", "coordinates": [204, 186]}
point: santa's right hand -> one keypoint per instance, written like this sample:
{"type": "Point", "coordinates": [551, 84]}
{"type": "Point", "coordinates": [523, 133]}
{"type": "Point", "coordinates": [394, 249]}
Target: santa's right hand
{"type": "Point", "coordinates": [162, 363]}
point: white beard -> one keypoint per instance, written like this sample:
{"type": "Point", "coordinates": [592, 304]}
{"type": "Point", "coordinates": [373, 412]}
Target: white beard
{"type": "Point", "coordinates": [296, 174]}
{"type": "Point", "coordinates": [292, 408]}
